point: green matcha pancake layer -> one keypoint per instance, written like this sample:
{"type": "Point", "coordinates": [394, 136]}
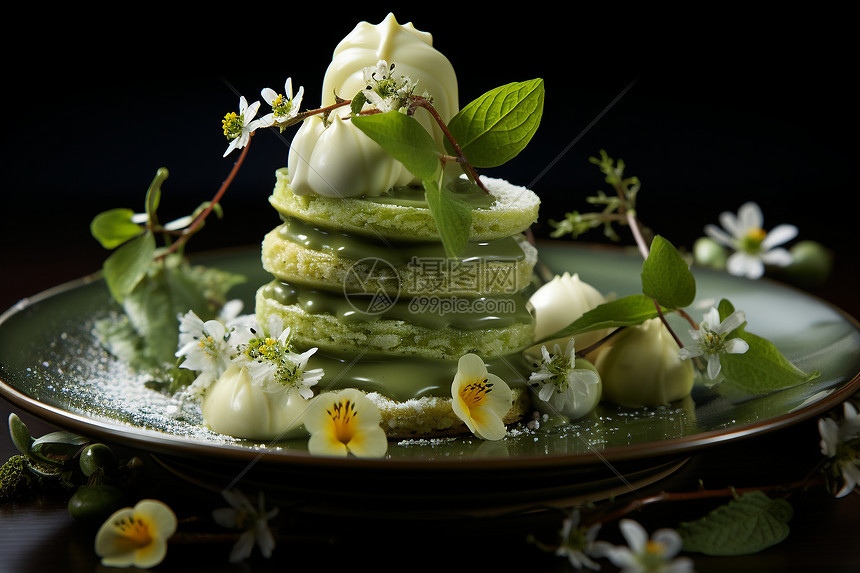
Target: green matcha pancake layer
{"type": "Point", "coordinates": [403, 214]}
{"type": "Point", "coordinates": [415, 327]}
{"type": "Point", "coordinates": [297, 252]}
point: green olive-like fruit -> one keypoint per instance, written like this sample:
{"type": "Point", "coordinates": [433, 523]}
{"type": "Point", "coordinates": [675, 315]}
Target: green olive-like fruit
{"type": "Point", "coordinates": [709, 253]}
{"type": "Point", "coordinates": [95, 502]}
{"type": "Point", "coordinates": [95, 457]}
{"type": "Point", "coordinates": [811, 264]}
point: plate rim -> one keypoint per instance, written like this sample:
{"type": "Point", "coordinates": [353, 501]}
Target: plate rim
{"type": "Point", "coordinates": [168, 444]}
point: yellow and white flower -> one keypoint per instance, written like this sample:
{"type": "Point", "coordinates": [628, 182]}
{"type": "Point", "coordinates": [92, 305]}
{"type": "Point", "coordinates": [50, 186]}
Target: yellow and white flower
{"type": "Point", "coordinates": [566, 385]}
{"type": "Point", "coordinates": [480, 399]}
{"type": "Point", "coordinates": [285, 106]}
{"type": "Point", "coordinates": [136, 536]}
{"type": "Point", "coordinates": [238, 127]}
{"type": "Point", "coordinates": [345, 422]}
{"type": "Point", "coordinates": [754, 247]}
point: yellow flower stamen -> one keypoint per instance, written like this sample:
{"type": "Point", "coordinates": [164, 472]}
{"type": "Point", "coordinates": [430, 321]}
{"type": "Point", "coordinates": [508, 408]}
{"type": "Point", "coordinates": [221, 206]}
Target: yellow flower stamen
{"type": "Point", "coordinates": [135, 533]}
{"type": "Point", "coordinates": [752, 239]}
{"type": "Point", "coordinates": [476, 392]}
{"type": "Point", "coordinates": [233, 124]}
{"type": "Point", "coordinates": [343, 417]}
{"type": "Point", "coordinates": [654, 547]}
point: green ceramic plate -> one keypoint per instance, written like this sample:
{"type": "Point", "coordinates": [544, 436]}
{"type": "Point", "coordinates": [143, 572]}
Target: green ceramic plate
{"type": "Point", "coordinates": [51, 366]}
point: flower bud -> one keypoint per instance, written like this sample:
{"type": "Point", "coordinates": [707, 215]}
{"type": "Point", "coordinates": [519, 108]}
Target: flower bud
{"type": "Point", "coordinates": [642, 368]}
{"type": "Point", "coordinates": [234, 405]}
{"type": "Point", "coordinates": [561, 301]}
{"type": "Point", "coordinates": [707, 252]}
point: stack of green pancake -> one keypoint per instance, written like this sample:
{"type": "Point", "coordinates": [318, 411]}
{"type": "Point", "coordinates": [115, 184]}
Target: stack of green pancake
{"type": "Point", "coordinates": [367, 282]}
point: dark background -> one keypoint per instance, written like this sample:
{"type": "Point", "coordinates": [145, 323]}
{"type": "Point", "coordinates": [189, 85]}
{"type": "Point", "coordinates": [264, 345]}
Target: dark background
{"type": "Point", "coordinates": [717, 110]}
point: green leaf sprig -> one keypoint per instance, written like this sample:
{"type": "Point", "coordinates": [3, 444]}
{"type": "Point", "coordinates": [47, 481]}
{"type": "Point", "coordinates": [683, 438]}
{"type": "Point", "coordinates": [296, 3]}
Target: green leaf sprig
{"type": "Point", "coordinates": [669, 286]}
{"type": "Point", "coordinates": [487, 132]}
{"type": "Point", "coordinates": [155, 284]}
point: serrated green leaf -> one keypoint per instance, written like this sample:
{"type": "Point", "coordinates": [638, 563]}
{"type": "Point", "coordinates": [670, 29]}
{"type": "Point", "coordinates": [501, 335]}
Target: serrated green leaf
{"type": "Point", "coordinates": [762, 368]}
{"type": "Point", "coordinates": [405, 139]}
{"type": "Point", "coordinates": [746, 525]}
{"type": "Point", "coordinates": [114, 227]}
{"type": "Point", "coordinates": [453, 217]}
{"type": "Point", "coordinates": [20, 434]}
{"type": "Point", "coordinates": [124, 269]}
{"type": "Point", "coordinates": [626, 311]}
{"type": "Point", "coordinates": [666, 277]}
{"type": "Point", "coordinates": [495, 127]}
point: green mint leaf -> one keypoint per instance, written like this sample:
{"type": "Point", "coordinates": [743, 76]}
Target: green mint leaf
{"type": "Point", "coordinates": [744, 526]}
{"type": "Point", "coordinates": [762, 368]}
{"type": "Point", "coordinates": [124, 269]}
{"type": "Point", "coordinates": [357, 103]}
{"type": "Point", "coordinates": [452, 215]}
{"type": "Point", "coordinates": [20, 434]}
{"type": "Point", "coordinates": [404, 138]}
{"type": "Point", "coordinates": [153, 194]}
{"type": "Point", "coordinates": [148, 335]}
{"type": "Point", "coordinates": [666, 277]}
{"type": "Point", "coordinates": [496, 126]}
{"type": "Point", "coordinates": [114, 227]}
{"type": "Point", "coordinates": [625, 311]}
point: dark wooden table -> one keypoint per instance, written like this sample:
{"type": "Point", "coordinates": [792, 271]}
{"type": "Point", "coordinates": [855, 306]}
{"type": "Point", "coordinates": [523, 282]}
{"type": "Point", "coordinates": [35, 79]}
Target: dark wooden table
{"type": "Point", "coordinates": [40, 535]}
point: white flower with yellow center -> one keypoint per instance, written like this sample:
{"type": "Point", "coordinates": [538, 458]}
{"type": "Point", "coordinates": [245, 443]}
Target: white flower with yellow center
{"type": "Point", "coordinates": [238, 127]}
{"type": "Point", "coordinates": [480, 399]}
{"type": "Point", "coordinates": [206, 348]}
{"type": "Point", "coordinates": [285, 106]}
{"type": "Point", "coordinates": [345, 422]}
{"type": "Point", "coordinates": [644, 554]}
{"type": "Point", "coordinates": [252, 521]}
{"type": "Point", "coordinates": [385, 91]}
{"type": "Point", "coordinates": [710, 339]}
{"type": "Point", "coordinates": [136, 536]}
{"type": "Point", "coordinates": [566, 385]}
{"type": "Point", "coordinates": [578, 543]}
{"type": "Point", "coordinates": [754, 247]}
{"type": "Point", "coordinates": [273, 365]}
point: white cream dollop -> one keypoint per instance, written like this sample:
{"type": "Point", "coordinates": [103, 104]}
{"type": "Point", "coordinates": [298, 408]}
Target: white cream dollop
{"type": "Point", "coordinates": [643, 368]}
{"type": "Point", "coordinates": [348, 163]}
{"type": "Point", "coordinates": [561, 301]}
{"type": "Point", "coordinates": [235, 406]}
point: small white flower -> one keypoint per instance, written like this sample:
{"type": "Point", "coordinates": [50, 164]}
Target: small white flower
{"type": "Point", "coordinates": [272, 364]}
{"type": "Point", "coordinates": [239, 127]}
{"type": "Point", "coordinates": [645, 554]}
{"type": "Point", "coordinates": [578, 544]}
{"type": "Point", "coordinates": [385, 91]}
{"type": "Point", "coordinates": [253, 521]}
{"type": "Point", "coordinates": [206, 348]}
{"type": "Point", "coordinates": [710, 339]}
{"type": "Point", "coordinates": [285, 106]}
{"type": "Point", "coordinates": [561, 384]}
{"type": "Point", "coordinates": [754, 247]}
{"type": "Point", "coordinates": [834, 438]}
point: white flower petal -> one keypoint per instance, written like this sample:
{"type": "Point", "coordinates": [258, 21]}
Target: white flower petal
{"type": "Point", "coordinates": [750, 216]}
{"type": "Point", "coordinates": [634, 533]}
{"type": "Point", "coordinates": [714, 366]}
{"type": "Point", "coordinates": [736, 346]}
{"type": "Point", "coordinates": [719, 235]}
{"type": "Point", "coordinates": [777, 258]}
{"type": "Point", "coordinates": [779, 235]}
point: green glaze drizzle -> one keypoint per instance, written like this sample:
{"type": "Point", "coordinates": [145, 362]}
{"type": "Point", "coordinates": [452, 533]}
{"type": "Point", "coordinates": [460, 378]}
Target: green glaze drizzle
{"type": "Point", "coordinates": [354, 246]}
{"type": "Point", "coordinates": [464, 313]}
